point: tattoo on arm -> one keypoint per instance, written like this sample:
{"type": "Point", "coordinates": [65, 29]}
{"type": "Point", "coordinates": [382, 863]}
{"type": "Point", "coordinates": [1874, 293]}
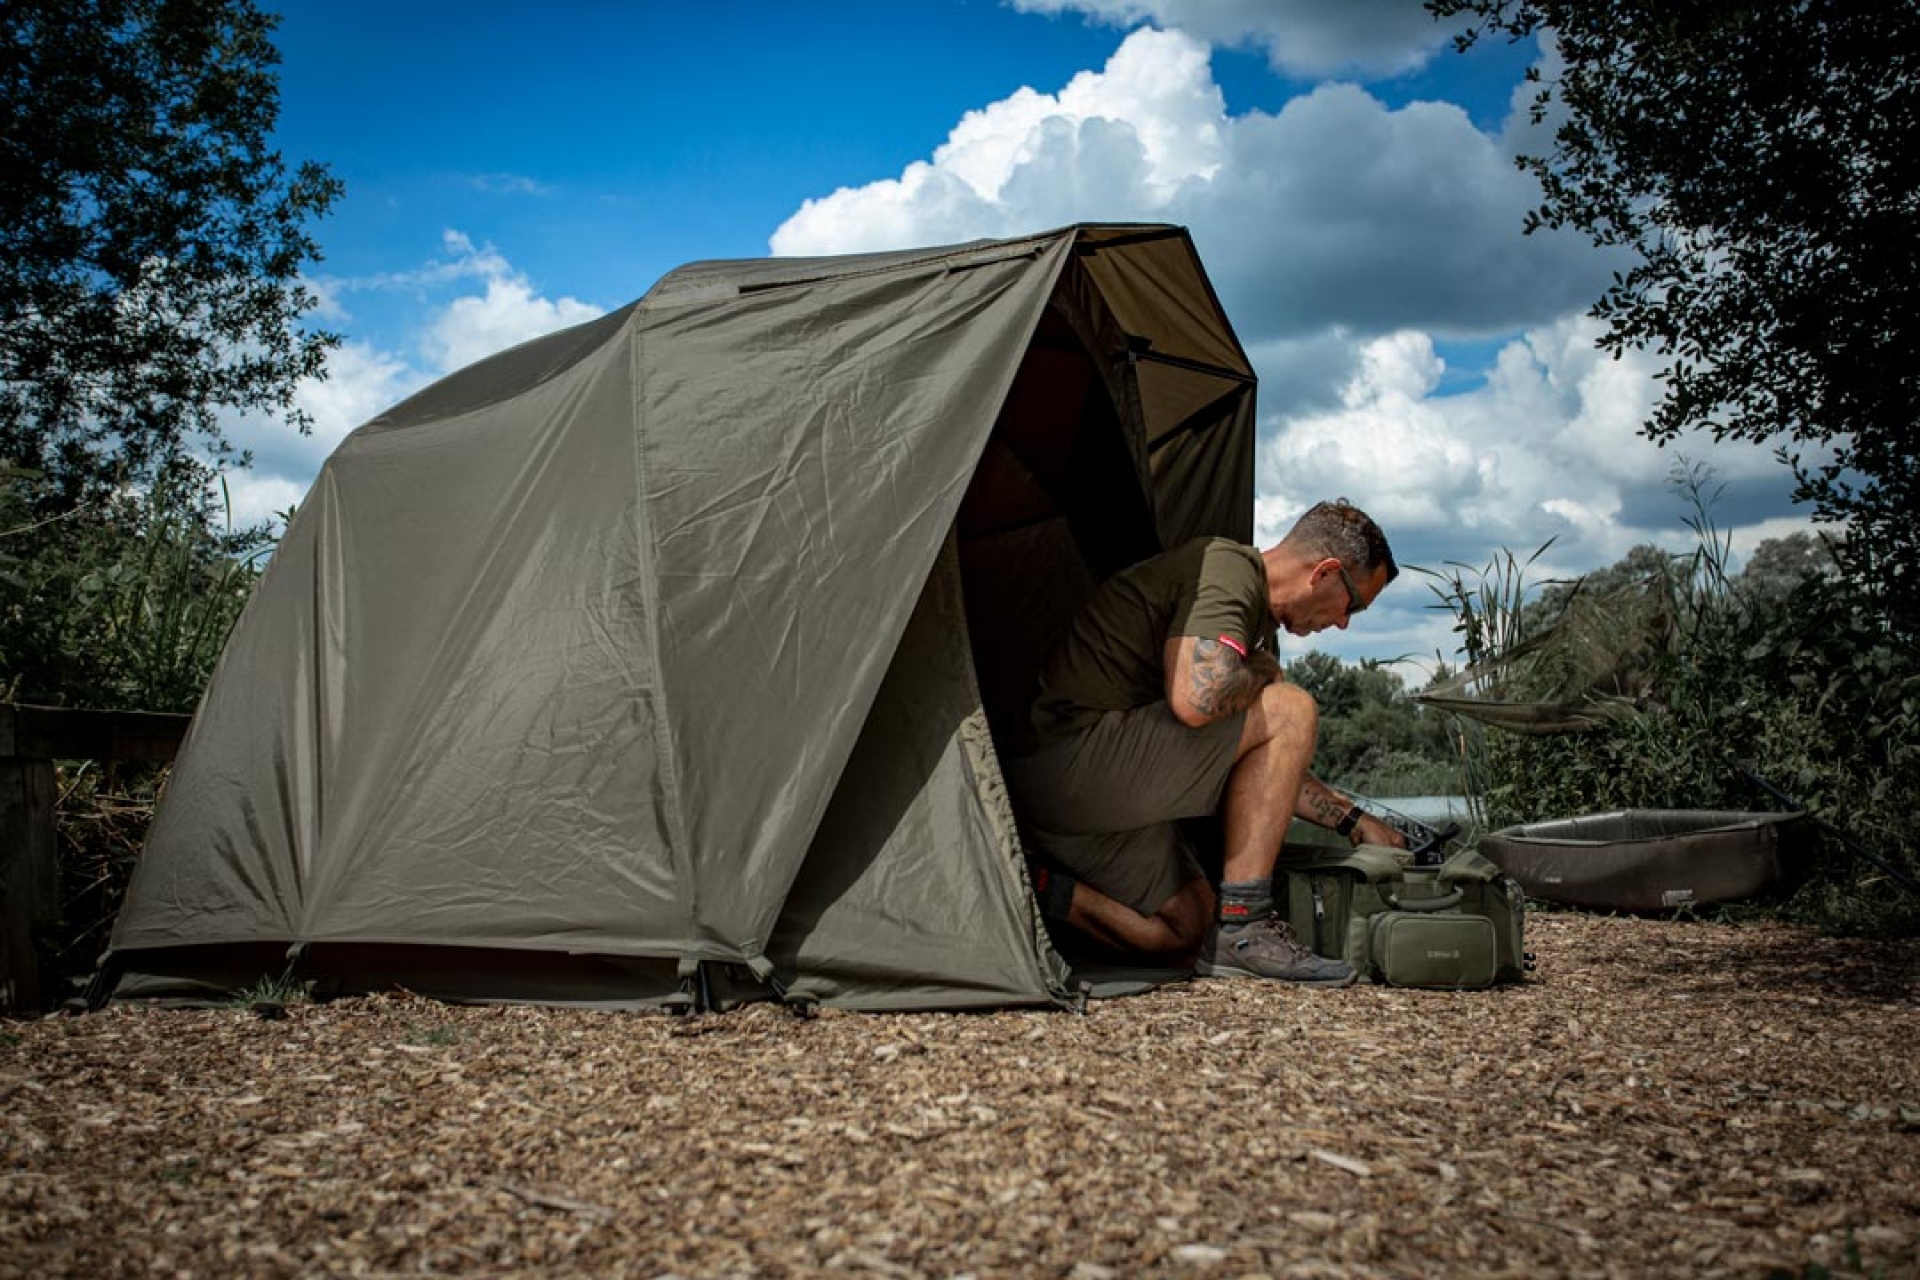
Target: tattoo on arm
{"type": "Point", "coordinates": [1319, 804]}
{"type": "Point", "coordinates": [1220, 682]}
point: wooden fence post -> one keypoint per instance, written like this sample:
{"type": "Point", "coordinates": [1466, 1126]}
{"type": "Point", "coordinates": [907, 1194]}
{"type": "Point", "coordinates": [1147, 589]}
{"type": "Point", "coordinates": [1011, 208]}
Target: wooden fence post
{"type": "Point", "coordinates": [31, 739]}
{"type": "Point", "coordinates": [29, 899]}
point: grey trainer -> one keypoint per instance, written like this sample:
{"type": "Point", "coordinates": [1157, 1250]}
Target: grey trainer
{"type": "Point", "coordinates": [1266, 948]}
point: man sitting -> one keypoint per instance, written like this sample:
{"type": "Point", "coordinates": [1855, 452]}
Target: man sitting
{"type": "Point", "coordinates": [1163, 701]}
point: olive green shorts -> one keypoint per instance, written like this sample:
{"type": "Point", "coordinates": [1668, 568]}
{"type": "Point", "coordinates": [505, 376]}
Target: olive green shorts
{"type": "Point", "coordinates": [1105, 803]}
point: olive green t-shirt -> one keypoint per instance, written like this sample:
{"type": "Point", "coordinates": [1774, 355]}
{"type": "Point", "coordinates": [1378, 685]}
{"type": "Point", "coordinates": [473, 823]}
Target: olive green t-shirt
{"type": "Point", "coordinates": [1112, 657]}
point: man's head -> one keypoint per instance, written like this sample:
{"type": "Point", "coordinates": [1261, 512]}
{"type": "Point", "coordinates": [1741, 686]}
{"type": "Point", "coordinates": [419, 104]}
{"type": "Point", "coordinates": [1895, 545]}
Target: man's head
{"type": "Point", "coordinates": [1331, 565]}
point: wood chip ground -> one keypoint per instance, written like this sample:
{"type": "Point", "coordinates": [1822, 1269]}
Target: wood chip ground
{"type": "Point", "coordinates": [1661, 1099]}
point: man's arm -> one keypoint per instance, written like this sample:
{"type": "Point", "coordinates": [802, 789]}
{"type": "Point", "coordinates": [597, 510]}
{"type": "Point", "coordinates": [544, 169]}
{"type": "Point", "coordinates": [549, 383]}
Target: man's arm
{"type": "Point", "coordinates": [1321, 805]}
{"type": "Point", "coordinates": [1208, 680]}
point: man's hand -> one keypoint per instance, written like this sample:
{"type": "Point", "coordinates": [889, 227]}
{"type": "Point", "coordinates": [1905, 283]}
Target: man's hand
{"type": "Point", "coordinates": [1370, 830]}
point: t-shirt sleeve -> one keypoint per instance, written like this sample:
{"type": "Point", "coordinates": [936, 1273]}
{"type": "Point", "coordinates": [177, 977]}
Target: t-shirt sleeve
{"type": "Point", "coordinates": [1229, 599]}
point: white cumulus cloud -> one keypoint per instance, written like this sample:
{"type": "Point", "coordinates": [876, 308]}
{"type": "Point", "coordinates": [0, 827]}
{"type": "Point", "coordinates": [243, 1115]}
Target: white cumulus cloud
{"type": "Point", "coordinates": [1335, 211]}
{"type": "Point", "coordinates": [1122, 141]}
{"type": "Point", "coordinates": [507, 314]}
{"type": "Point", "coordinates": [1544, 453]}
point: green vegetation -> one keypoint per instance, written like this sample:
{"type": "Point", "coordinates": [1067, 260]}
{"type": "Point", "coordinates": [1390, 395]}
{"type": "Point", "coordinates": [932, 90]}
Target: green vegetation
{"type": "Point", "coordinates": [123, 601]}
{"type": "Point", "coordinates": [1374, 738]}
{"type": "Point", "coordinates": [152, 248]}
{"type": "Point", "coordinates": [1695, 680]}
{"type": "Point", "coordinates": [1851, 1264]}
{"type": "Point", "coordinates": [101, 823]}
{"type": "Point", "coordinates": [279, 991]}
{"type": "Point", "coordinates": [1752, 164]}
{"type": "Point", "coordinates": [431, 1036]}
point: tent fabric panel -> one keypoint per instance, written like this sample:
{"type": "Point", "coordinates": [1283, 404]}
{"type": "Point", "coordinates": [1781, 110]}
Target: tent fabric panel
{"type": "Point", "coordinates": [1203, 477]}
{"type": "Point", "coordinates": [207, 974]}
{"type": "Point", "coordinates": [1081, 308]}
{"type": "Point", "coordinates": [503, 376]}
{"type": "Point", "coordinates": [232, 846]}
{"type": "Point", "coordinates": [915, 881]}
{"type": "Point", "coordinates": [497, 782]}
{"type": "Point", "coordinates": [1193, 371]}
{"type": "Point", "coordinates": [447, 668]}
{"type": "Point", "coordinates": [1173, 396]}
{"type": "Point", "coordinates": [1157, 287]}
{"type": "Point", "coordinates": [719, 279]}
{"type": "Point", "coordinates": [803, 453]}
{"type": "Point", "coordinates": [594, 657]}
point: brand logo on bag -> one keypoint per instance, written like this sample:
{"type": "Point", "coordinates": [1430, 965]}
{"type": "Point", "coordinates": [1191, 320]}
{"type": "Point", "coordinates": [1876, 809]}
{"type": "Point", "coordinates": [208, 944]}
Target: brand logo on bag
{"type": "Point", "coordinates": [1443, 955]}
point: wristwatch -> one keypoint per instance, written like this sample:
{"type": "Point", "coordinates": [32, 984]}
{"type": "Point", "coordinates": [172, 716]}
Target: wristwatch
{"type": "Point", "coordinates": [1349, 820]}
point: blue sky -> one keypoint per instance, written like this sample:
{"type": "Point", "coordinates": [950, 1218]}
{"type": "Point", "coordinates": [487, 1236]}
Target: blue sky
{"type": "Point", "coordinates": [1347, 177]}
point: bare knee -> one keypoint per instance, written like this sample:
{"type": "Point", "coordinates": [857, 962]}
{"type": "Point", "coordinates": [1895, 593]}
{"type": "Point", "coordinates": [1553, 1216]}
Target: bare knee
{"type": "Point", "coordinates": [1291, 703]}
{"type": "Point", "coordinates": [1283, 712]}
{"type": "Point", "coordinates": [1186, 916]}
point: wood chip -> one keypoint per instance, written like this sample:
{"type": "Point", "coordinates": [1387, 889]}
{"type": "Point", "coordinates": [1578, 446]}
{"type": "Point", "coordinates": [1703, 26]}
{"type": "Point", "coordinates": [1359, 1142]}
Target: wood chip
{"type": "Point", "coordinates": [1660, 1099]}
{"type": "Point", "coordinates": [1358, 1168]}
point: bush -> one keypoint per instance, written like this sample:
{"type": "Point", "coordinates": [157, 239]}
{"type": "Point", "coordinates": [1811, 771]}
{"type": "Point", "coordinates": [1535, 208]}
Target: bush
{"type": "Point", "coordinates": [102, 820]}
{"type": "Point", "coordinates": [1804, 689]}
{"type": "Point", "coordinates": [1374, 739]}
{"type": "Point", "coordinates": [122, 604]}
{"type": "Point", "coordinates": [125, 603]}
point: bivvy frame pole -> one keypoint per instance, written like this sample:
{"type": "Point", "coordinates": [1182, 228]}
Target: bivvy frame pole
{"type": "Point", "coordinates": [1852, 846]}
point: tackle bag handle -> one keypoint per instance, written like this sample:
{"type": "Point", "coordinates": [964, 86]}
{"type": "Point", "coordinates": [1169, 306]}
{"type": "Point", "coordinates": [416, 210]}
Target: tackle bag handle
{"type": "Point", "coordinates": [1442, 903]}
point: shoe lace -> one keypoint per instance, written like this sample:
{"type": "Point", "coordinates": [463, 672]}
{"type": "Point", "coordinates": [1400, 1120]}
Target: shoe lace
{"type": "Point", "coordinates": [1280, 935]}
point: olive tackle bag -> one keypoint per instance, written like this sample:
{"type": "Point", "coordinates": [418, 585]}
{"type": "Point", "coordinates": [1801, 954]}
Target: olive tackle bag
{"type": "Point", "coordinates": [1460, 925]}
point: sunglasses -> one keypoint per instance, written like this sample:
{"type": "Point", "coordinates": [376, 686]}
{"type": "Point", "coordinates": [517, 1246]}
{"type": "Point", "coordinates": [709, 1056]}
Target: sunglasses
{"type": "Point", "coordinates": [1354, 603]}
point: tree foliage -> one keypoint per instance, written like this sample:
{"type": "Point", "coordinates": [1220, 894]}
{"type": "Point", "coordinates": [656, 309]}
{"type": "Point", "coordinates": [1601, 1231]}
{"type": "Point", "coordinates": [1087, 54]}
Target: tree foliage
{"type": "Point", "coordinates": [151, 243]}
{"type": "Point", "coordinates": [1758, 162]}
{"type": "Point", "coordinates": [1374, 739]}
{"type": "Point", "coordinates": [150, 238]}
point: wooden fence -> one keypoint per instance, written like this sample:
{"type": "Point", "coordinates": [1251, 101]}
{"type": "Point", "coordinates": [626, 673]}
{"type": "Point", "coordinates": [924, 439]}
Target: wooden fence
{"type": "Point", "coordinates": [31, 739]}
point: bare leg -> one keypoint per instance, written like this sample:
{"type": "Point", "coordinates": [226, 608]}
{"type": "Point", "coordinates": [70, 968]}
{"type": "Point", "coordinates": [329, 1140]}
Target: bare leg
{"type": "Point", "coordinates": [1276, 746]}
{"type": "Point", "coordinates": [1172, 932]}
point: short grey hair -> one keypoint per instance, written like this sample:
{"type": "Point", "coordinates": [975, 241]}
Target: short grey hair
{"type": "Point", "coordinates": [1345, 532]}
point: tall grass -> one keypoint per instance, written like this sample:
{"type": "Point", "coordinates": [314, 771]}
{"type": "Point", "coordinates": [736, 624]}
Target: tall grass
{"type": "Point", "coordinates": [166, 604]}
{"type": "Point", "coordinates": [1488, 605]}
{"type": "Point", "coordinates": [123, 601]}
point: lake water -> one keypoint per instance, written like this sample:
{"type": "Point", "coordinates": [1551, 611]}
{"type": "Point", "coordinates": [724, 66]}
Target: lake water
{"type": "Point", "coordinates": [1432, 810]}
{"type": "Point", "coordinates": [1429, 811]}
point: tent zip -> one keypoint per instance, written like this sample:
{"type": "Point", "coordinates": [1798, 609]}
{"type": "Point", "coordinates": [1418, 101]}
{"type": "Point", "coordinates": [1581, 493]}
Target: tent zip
{"type": "Point", "coordinates": [1138, 353]}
